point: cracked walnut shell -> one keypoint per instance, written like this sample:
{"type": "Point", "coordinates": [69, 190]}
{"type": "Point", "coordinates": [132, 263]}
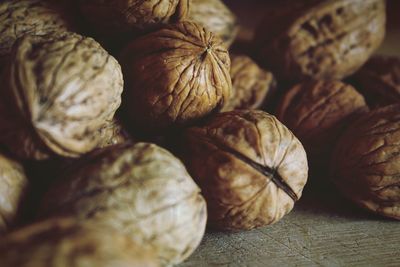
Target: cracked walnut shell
{"type": "Point", "coordinates": [59, 91]}
{"type": "Point", "coordinates": [175, 76]}
{"type": "Point", "coordinates": [61, 242]}
{"type": "Point", "coordinates": [366, 161]}
{"type": "Point", "coordinates": [250, 168]}
{"type": "Point", "coordinates": [140, 190]}
{"type": "Point", "coordinates": [119, 17]}
{"type": "Point", "coordinates": [251, 85]}
{"type": "Point", "coordinates": [13, 187]}
{"type": "Point", "coordinates": [317, 112]}
{"type": "Point", "coordinates": [326, 40]}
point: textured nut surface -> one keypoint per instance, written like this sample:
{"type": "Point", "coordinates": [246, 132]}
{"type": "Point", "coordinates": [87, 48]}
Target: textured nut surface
{"type": "Point", "coordinates": [321, 39]}
{"type": "Point", "coordinates": [13, 186]}
{"type": "Point", "coordinates": [112, 17]}
{"type": "Point", "coordinates": [216, 17]}
{"type": "Point", "coordinates": [175, 76]}
{"type": "Point", "coordinates": [379, 80]}
{"type": "Point", "coordinates": [250, 84]}
{"type": "Point", "coordinates": [366, 161]}
{"type": "Point", "coordinates": [59, 91]}
{"type": "Point", "coordinates": [62, 242]}
{"type": "Point", "coordinates": [140, 190]}
{"type": "Point", "coordinates": [250, 168]}
{"type": "Point", "coordinates": [114, 133]}
{"type": "Point", "coordinates": [317, 112]}
{"type": "Point", "coordinates": [35, 17]}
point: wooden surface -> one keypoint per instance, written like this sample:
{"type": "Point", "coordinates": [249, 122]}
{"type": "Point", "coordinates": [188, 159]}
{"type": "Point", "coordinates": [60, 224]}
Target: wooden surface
{"type": "Point", "coordinates": [324, 229]}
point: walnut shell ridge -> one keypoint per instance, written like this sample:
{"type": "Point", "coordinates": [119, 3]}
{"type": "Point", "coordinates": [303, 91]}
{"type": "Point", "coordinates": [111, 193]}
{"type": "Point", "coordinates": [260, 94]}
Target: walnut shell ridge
{"type": "Point", "coordinates": [326, 40]}
{"type": "Point", "coordinates": [250, 168]}
{"type": "Point", "coordinates": [366, 162]}
{"type": "Point", "coordinates": [13, 188]}
{"type": "Point", "coordinates": [175, 76]}
{"type": "Point", "coordinates": [61, 242]}
{"type": "Point", "coordinates": [140, 190]}
{"type": "Point", "coordinates": [59, 91]}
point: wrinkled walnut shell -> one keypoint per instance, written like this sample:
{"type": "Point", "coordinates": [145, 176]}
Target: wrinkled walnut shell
{"type": "Point", "coordinates": [321, 39]}
{"type": "Point", "coordinates": [251, 85]}
{"type": "Point", "coordinates": [13, 187]}
{"type": "Point", "coordinates": [60, 91]}
{"type": "Point", "coordinates": [140, 190]}
{"type": "Point", "coordinates": [61, 242]}
{"type": "Point", "coordinates": [216, 17]}
{"type": "Point", "coordinates": [366, 161]}
{"type": "Point", "coordinates": [120, 17]}
{"type": "Point", "coordinates": [250, 168]}
{"type": "Point", "coordinates": [175, 76]}
{"type": "Point", "coordinates": [317, 113]}
{"type": "Point", "coordinates": [379, 80]}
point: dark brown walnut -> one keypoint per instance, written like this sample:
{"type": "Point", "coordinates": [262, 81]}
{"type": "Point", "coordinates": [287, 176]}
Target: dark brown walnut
{"type": "Point", "coordinates": [317, 112]}
{"type": "Point", "coordinates": [250, 168]}
{"type": "Point", "coordinates": [216, 17]}
{"type": "Point", "coordinates": [366, 161]}
{"type": "Point", "coordinates": [140, 190]}
{"type": "Point", "coordinates": [251, 85]}
{"type": "Point", "coordinates": [59, 91]}
{"type": "Point", "coordinates": [175, 76]}
{"type": "Point", "coordinates": [379, 80]}
{"type": "Point", "coordinates": [35, 17]}
{"type": "Point", "coordinates": [121, 17]}
{"type": "Point", "coordinates": [320, 39]}
{"type": "Point", "coordinates": [61, 242]}
{"type": "Point", "coordinates": [13, 187]}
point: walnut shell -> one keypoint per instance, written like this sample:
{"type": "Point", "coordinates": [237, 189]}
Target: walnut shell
{"type": "Point", "coordinates": [119, 17]}
{"type": "Point", "coordinates": [60, 90]}
{"type": "Point", "coordinates": [250, 168]}
{"type": "Point", "coordinates": [35, 17]}
{"type": "Point", "coordinates": [174, 76]}
{"type": "Point", "coordinates": [379, 80]}
{"type": "Point", "coordinates": [366, 161]}
{"type": "Point", "coordinates": [140, 190]}
{"type": "Point", "coordinates": [317, 112]}
{"type": "Point", "coordinates": [250, 84]}
{"type": "Point", "coordinates": [321, 39]}
{"type": "Point", "coordinates": [61, 242]}
{"type": "Point", "coordinates": [13, 187]}
{"type": "Point", "coordinates": [216, 17]}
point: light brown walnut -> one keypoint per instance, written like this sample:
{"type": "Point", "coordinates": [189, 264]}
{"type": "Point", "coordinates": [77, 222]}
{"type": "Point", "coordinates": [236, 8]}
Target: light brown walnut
{"type": "Point", "coordinates": [139, 190]}
{"type": "Point", "coordinates": [175, 76]}
{"type": "Point", "coordinates": [250, 168]}
{"type": "Point", "coordinates": [251, 85]}
{"type": "Point", "coordinates": [59, 91]}
{"type": "Point", "coordinates": [216, 17]}
{"type": "Point", "coordinates": [61, 242]}
{"type": "Point", "coordinates": [317, 112]}
{"type": "Point", "coordinates": [13, 188]}
{"type": "Point", "coordinates": [317, 39]}
{"type": "Point", "coordinates": [366, 161]}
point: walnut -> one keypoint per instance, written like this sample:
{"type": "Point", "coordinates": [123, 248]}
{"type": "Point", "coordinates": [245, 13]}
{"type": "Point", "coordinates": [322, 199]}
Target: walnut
{"type": "Point", "coordinates": [366, 161]}
{"type": "Point", "coordinates": [181, 74]}
{"type": "Point", "coordinates": [317, 112]}
{"type": "Point", "coordinates": [379, 80]}
{"type": "Point", "coordinates": [60, 90]}
{"type": "Point", "coordinates": [61, 242]}
{"type": "Point", "coordinates": [251, 85]}
{"type": "Point", "coordinates": [121, 17]}
{"type": "Point", "coordinates": [13, 187]}
{"type": "Point", "coordinates": [250, 168]}
{"type": "Point", "coordinates": [140, 190]}
{"type": "Point", "coordinates": [320, 39]}
{"type": "Point", "coordinates": [35, 17]}
{"type": "Point", "coordinates": [216, 17]}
